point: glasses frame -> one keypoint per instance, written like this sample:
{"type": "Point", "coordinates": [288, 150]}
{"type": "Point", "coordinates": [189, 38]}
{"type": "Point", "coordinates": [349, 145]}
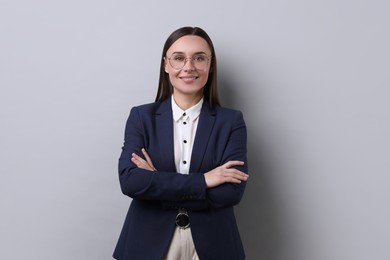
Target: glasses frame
{"type": "Point", "coordinates": [185, 61]}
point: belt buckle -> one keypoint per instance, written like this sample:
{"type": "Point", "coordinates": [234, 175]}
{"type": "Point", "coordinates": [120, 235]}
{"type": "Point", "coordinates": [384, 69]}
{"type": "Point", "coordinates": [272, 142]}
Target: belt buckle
{"type": "Point", "coordinates": [182, 219]}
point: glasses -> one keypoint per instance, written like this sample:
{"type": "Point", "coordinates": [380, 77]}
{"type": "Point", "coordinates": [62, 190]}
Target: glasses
{"type": "Point", "coordinates": [178, 61]}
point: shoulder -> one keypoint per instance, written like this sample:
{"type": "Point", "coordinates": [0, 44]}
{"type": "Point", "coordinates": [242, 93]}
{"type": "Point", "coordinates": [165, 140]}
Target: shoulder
{"type": "Point", "coordinates": [149, 108]}
{"type": "Point", "coordinates": [225, 112]}
{"type": "Point", "coordinates": [146, 107]}
{"type": "Point", "coordinates": [228, 117]}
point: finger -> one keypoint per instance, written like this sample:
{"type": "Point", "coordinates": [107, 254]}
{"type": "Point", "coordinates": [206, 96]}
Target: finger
{"type": "Point", "coordinates": [137, 158]}
{"type": "Point", "coordinates": [139, 161]}
{"type": "Point", "coordinates": [236, 172]}
{"type": "Point", "coordinates": [230, 164]}
{"type": "Point", "coordinates": [237, 178]}
{"type": "Point", "coordinates": [148, 159]}
{"type": "Point", "coordinates": [233, 173]}
{"type": "Point", "coordinates": [142, 163]}
{"type": "Point", "coordinates": [136, 162]}
{"type": "Point", "coordinates": [232, 180]}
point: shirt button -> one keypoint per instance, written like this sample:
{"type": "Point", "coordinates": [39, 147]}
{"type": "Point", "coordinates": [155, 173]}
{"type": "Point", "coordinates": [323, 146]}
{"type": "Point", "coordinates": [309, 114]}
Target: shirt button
{"type": "Point", "coordinates": [184, 114]}
{"type": "Point", "coordinates": [185, 141]}
{"type": "Point", "coordinates": [184, 123]}
{"type": "Point", "coordinates": [184, 162]}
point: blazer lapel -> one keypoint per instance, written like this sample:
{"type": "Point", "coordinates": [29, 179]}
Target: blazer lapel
{"type": "Point", "coordinates": [164, 129]}
{"type": "Point", "coordinates": [203, 133]}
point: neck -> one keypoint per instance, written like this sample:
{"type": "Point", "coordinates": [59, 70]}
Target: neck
{"type": "Point", "coordinates": [186, 101]}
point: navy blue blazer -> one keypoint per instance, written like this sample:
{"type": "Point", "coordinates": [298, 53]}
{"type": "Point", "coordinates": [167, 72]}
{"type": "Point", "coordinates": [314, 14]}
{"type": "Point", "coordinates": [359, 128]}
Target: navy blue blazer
{"type": "Point", "coordinates": [157, 195]}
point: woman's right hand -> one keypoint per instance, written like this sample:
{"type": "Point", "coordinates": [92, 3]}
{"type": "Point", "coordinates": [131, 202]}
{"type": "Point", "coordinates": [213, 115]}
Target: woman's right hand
{"type": "Point", "coordinates": [225, 173]}
{"type": "Point", "coordinates": [141, 163]}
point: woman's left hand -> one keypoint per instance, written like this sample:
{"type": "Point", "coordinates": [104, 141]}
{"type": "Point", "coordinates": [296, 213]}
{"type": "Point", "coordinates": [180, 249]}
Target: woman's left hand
{"type": "Point", "coordinates": [142, 163]}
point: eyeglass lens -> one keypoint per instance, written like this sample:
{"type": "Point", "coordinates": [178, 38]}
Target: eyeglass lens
{"type": "Point", "coordinates": [198, 61]}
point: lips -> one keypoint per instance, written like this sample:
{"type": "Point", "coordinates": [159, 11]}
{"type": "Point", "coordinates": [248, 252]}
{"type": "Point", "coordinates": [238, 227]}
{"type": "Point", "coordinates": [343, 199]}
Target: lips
{"type": "Point", "coordinates": [188, 78]}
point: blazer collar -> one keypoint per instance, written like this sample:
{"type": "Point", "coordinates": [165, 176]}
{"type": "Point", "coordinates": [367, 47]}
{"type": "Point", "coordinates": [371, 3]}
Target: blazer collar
{"type": "Point", "coordinates": [205, 126]}
{"type": "Point", "coordinates": [164, 107]}
{"type": "Point", "coordinates": [164, 131]}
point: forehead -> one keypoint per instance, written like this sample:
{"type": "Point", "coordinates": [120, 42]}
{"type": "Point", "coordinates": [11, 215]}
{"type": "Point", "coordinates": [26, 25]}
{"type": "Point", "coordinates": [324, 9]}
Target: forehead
{"type": "Point", "coordinates": [189, 44]}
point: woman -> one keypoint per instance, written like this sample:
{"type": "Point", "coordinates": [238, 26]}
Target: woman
{"type": "Point", "coordinates": [183, 162]}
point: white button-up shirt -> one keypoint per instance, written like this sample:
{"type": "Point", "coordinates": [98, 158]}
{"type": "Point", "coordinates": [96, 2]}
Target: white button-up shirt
{"type": "Point", "coordinates": [185, 124]}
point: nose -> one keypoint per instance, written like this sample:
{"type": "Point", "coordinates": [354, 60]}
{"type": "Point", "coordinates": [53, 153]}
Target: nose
{"type": "Point", "coordinates": [188, 65]}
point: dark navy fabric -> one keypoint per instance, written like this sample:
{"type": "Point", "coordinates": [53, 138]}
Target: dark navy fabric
{"type": "Point", "coordinates": [157, 195]}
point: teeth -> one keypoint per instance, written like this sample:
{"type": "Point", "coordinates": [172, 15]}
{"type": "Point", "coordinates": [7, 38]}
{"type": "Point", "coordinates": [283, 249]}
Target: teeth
{"type": "Point", "coordinates": [192, 78]}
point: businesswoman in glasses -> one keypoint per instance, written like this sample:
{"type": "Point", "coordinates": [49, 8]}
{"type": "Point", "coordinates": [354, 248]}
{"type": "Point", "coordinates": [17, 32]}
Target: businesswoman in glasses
{"type": "Point", "coordinates": [183, 162]}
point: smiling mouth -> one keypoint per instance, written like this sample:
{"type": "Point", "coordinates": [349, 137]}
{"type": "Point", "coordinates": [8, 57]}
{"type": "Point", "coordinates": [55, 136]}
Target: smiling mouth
{"type": "Point", "coordinates": [188, 78]}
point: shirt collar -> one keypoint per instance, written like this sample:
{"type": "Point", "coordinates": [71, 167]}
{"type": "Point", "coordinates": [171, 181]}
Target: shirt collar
{"type": "Point", "coordinates": [193, 112]}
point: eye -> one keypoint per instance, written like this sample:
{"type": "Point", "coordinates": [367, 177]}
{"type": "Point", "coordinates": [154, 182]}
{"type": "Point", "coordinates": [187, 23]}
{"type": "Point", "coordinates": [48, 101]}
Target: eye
{"type": "Point", "coordinates": [178, 58]}
{"type": "Point", "coordinates": [199, 58]}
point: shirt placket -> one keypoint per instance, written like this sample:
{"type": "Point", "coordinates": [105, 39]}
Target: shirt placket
{"type": "Point", "coordinates": [185, 143]}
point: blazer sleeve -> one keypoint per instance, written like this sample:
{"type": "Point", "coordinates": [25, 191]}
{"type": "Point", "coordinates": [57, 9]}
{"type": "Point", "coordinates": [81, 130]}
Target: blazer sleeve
{"type": "Point", "coordinates": [230, 194]}
{"type": "Point", "coordinates": [227, 194]}
{"type": "Point", "coordinates": [152, 185]}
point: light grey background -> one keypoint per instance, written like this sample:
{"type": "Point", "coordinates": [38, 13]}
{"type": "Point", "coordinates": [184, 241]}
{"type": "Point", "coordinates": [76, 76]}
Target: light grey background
{"type": "Point", "coordinates": [312, 78]}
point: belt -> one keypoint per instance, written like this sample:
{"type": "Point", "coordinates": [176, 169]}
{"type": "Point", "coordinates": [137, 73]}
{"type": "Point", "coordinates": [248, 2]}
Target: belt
{"type": "Point", "coordinates": [182, 219]}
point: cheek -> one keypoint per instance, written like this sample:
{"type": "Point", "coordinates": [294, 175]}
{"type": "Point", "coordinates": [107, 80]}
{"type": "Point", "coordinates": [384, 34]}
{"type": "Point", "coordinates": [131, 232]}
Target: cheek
{"type": "Point", "coordinates": [206, 75]}
{"type": "Point", "coordinates": [172, 74]}
{"type": "Point", "coordinates": [172, 77]}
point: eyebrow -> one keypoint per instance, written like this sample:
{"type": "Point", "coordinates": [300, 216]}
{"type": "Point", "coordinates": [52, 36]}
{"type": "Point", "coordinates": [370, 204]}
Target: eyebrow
{"type": "Point", "coordinates": [180, 52]}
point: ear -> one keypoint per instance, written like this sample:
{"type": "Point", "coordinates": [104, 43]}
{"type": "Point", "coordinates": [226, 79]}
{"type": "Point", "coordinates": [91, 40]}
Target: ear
{"type": "Point", "coordinates": [165, 65]}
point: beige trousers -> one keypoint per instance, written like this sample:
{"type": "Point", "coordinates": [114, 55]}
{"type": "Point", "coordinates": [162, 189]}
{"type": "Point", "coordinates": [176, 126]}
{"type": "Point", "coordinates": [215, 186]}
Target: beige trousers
{"type": "Point", "coordinates": [182, 246]}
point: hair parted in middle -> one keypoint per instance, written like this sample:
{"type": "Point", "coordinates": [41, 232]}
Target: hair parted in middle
{"type": "Point", "coordinates": [210, 90]}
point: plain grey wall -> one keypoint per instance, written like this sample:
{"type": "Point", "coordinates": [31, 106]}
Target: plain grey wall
{"type": "Point", "coordinates": [312, 78]}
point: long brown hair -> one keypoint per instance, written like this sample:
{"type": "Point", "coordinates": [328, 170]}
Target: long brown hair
{"type": "Point", "coordinates": [210, 90]}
